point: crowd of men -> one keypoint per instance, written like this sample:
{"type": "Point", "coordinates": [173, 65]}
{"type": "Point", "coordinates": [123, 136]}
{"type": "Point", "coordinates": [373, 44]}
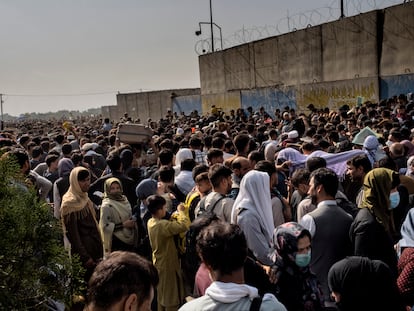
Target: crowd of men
{"type": "Point", "coordinates": [257, 169]}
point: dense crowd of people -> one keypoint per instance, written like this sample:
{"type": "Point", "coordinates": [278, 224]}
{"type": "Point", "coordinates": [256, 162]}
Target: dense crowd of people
{"type": "Point", "coordinates": [249, 210]}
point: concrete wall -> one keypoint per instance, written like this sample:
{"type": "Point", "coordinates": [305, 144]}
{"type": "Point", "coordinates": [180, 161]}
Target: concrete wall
{"type": "Point", "coordinates": [152, 105]}
{"type": "Point", "coordinates": [364, 57]}
{"type": "Point", "coordinates": [349, 48]}
{"type": "Point", "coordinates": [269, 98]}
{"type": "Point", "coordinates": [396, 85]}
{"type": "Point", "coordinates": [337, 93]}
{"type": "Point", "coordinates": [398, 40]}
{"type": "Point", "coordinates": [186, 104]}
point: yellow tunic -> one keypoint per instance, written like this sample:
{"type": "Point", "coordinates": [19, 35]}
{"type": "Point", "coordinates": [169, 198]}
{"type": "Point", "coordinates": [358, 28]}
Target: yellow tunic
{"type": "Point", "coordinates": [165, 258]}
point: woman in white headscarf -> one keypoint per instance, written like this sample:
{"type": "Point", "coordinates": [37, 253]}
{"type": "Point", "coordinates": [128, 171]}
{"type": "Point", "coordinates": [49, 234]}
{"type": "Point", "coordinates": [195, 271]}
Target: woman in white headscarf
{"type": "Point", "coordinates": [182, 154]}
{"type": "Point", "coordinates": [372, 149]}
{"type": "Point", "coordinates": [252, 211]}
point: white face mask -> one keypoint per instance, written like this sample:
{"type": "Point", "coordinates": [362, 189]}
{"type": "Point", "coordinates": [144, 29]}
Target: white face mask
{"type": "Point", "coordinates": [394, 199]}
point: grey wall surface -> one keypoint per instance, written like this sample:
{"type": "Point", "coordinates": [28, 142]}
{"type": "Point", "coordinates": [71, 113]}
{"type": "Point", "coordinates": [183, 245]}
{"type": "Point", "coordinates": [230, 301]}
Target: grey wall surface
{"type": "Point", "coordinates": [398, 40]}
{"type": "Point", "coordinates": [147, 105]}
{"type": "Point", "coordinates": [337, 62]}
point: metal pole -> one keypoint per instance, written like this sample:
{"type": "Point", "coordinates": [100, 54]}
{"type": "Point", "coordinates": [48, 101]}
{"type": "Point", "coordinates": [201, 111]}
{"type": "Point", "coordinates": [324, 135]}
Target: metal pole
{"type": "Point", "coordinates": [1, 105]}
{"type": "Point", "coordinates": [342, 9]}
{"type": "Point", "coordinates": [211, 28]}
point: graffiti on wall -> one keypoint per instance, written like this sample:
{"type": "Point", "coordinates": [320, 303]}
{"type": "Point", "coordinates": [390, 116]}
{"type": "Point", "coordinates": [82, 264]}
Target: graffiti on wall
{"type": "Point", "coordinates": [225, 101]}
{"type": "Point", "coordinates": [335, 94]}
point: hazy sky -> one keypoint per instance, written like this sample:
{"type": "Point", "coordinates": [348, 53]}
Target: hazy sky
{"type": "Point", "coordinates": [77, 54]}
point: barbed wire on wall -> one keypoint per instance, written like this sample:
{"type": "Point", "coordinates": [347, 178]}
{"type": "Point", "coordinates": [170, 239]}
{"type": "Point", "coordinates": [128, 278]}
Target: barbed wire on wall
{"type": "Point", "coordinates": [295, 22]}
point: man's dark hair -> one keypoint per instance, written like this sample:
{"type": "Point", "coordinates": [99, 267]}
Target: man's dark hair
{"type": "Point", "coordinates": [114, 161]}
{"type": "Point", "coordinates": [20, 156]}
{"type": "Point", "coordinates": [195, 142]}
{"type": "Point", "coordinates": [76, 158]}
{"type": "Point", "coordinates": [327, 178]}
{"type": "Point", "coordinates": [50, 158]}
{"type": "Point", "coordinates": [300, 176]}
{"type": "Point", "coordinates": [199, 169]}
{"type": "Point", "coordinates": [214, 153]}
{"type": "Point", "coordinates": [155, 202]}
{"type": "Point", "coordinates": [119, 275]}
{"type": "Point", "coordinates": [265, 166]}
{"type": "Point", "coordinates": [256, 156]}
{"type": "Point", "coordinates": [59, 139]}
{"type": "Point", "coordinates": [388, 162]}
{"type": "Point", "coordinates": [217, 172]}
{"type": "Point", "coordinates": [241, 141]}
{"type": "Point", "coordinates": [188, 165]}
{"type": "Point", "coordinates": [24, 139]}
{"type": "Point", "coordinates": [45, 145]}
{"type": "Point", "coordinates": [166, 157]}
{"type": "Point", "coordinates": [218, 142]}
{"type": "Point", "coordinates": [166, 174]}
{"type": "Point", "coordinates": [167, 144]}
{"type": "Point", "coordinates": [66, 149]}
{"type": "Point", "coordinates": [37, 151]}
{"type": "Point", "coordinates": [223, 247]}
{"type": "Point", "coordinates": [308, 147]}
{"type": "Point", "coordinates": [314, 163]}
{"type": "Point", "coordinates": [361, 160]}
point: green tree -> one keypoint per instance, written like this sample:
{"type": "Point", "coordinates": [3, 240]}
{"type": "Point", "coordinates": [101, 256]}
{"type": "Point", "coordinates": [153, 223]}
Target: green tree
{"type": "Point", "coordinates": [35, 269]}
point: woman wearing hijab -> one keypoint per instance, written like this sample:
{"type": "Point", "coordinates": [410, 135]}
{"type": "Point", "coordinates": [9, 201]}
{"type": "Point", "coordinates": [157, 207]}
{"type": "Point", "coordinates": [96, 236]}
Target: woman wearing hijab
{"type": "Point", "coordinates": [119, 230]}
{"type": "Point", "coordinates": [370, 147]}
{"type": "Point", "coordinates": [297, 287]}
{"type": "Point", "coordinates": [79, 220]}
{"type": "Point", "coordinates": [362, 284]}
{"type": "Point", "coordinates": [61, 185]}
{"type": "Point", "coordinates": [252, 211]}
{"type": "Point", "coordinates": [372, 231]}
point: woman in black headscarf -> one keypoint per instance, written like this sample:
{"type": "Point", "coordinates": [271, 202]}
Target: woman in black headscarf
{"type": "Point", "coordinates": [362, 284]}
{"type": "Point", "coordinates": [297, 287]}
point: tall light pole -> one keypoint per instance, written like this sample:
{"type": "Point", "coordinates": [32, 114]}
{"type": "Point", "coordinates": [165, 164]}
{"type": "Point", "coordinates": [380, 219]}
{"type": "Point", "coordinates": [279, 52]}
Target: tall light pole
{"type": "Point", "coordinates": [211, 28]}
{"type": "Point", "coordinates": [1, 106]}
{"type": "Point", "coordinates": [342, 9]}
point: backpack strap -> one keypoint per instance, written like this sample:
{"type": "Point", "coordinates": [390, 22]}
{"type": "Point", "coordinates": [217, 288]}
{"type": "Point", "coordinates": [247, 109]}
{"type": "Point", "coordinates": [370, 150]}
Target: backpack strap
{"type": "Point", "coordinates": [211, 210]}
{"type": "Point", "coordinates": [256, 303]}
{"type": "Point", "coordinates": [202, 208]}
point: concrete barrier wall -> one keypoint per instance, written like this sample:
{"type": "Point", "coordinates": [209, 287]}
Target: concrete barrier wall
{"type": "Point", "coordinates": [187, 104]}
{"type": "Point", "coordinates": [270, 98]}
{"type": "Point", "coordinates": [337, 93]}
{"type": "Point", "coordinates": [212, 77]}
{"type": "Point", "coordinates": [239, 68]}
{"type": "Point", "coordinates": [328, 65]}
{"type": "Point", "coordinates": [396, 85]}
{"type": "Point", "coordinates": [226, 101]}
{"type": "Point", "coordinates": [152, 105]}
{"type": "Point", "coordinates": [367, 57]}
{"type": "Point", "coordinates": [350, 48]}
{"type": "Point", "coordinates": [398, 40]}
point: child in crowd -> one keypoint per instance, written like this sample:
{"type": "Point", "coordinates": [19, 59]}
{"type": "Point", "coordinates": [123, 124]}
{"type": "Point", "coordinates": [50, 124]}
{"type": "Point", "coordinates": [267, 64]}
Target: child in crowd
{"type": "Point", "coordinates": [170, 291]}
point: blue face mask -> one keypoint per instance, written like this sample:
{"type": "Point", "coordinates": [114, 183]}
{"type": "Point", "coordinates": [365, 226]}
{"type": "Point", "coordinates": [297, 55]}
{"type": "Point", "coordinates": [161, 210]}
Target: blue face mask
{"type": "Point", "coordinates": [394, 199]}
{"type": "Point", "coordinates": [303, 260]}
